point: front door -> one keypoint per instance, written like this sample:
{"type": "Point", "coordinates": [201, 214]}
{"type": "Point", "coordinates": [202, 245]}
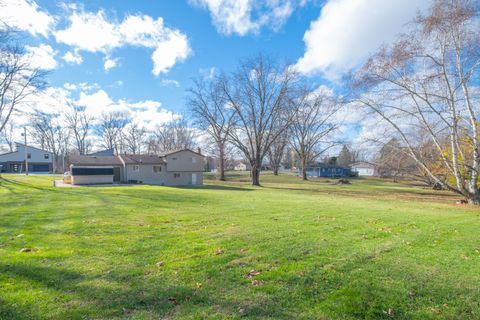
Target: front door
{"type": "Point", "coordinates": [194, 178]}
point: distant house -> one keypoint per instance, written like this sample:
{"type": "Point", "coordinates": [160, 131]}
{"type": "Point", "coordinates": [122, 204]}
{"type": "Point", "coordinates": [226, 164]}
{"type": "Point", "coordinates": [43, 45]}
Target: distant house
{"type": "Point", "coordinates": [182, 167]}
{"type": "Point", "coordinates": [241, 166]}
{"type": "Point", "coordinates": [327, 171]}
{"type": "Point", "coordinates": [38, 160]}
{"type": "Point", "coordinates": [364, 169]}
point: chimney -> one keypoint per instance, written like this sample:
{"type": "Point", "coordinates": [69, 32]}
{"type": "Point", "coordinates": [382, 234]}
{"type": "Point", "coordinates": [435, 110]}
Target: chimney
{"type": "Point", "coordinates": [199, 150]}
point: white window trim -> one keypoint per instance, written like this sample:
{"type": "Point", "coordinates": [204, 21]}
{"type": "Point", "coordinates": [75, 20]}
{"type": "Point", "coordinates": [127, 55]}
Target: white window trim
{"type": "Point", "coordinates": [136, 168]}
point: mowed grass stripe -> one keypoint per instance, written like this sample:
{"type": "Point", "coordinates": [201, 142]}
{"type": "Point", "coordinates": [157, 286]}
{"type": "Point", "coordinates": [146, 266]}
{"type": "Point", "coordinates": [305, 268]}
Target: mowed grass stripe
{"type": "Point", "coordinates": [369, 250]}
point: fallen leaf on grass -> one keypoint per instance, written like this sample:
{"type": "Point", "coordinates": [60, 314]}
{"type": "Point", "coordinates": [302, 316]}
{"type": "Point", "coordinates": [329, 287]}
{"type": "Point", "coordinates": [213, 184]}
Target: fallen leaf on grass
{"type": "Point", "coordinates": [218, 252]}
{"type": "Point", "coordinates": [29, 250]}
{"type": "Point", "coordinates": [257, 282]}
{"type": "Point", "coordinates": [389, 312]}
{"type": "Point", "coordinates": [173, 301]}
{"type": "Point", "coordinates": [160, 264]}
{"type": "Point", "coordinates": [252, 273]}
{"type": "Point", "coordinates": [242, 250]}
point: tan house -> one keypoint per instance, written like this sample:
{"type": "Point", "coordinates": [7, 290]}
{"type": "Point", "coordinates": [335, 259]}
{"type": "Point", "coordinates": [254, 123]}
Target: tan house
{"type": "Point", "coordinates": [182, 167]}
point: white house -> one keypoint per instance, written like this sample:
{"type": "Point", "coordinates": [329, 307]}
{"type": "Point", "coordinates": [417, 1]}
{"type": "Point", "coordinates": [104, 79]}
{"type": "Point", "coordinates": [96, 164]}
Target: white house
{"type": "Point", "coordinates": [364, 169]}
{"type": "Point", "coordinates": [38, 160]}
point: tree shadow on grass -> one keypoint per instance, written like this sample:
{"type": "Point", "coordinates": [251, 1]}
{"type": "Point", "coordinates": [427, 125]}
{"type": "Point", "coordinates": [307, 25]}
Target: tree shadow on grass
{"type": "Point", "coordinates": [105, 296]}
{"type": "Point", "coordinates": [213, 187]}
{"type": "Point", "coordinates": [6, 182]}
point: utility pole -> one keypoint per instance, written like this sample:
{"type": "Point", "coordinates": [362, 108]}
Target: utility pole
{"type": "Point", "coordinates": [26, 151]}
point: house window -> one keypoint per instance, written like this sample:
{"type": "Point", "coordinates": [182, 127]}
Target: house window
{"type": "Point", "coordinates": [46, 156]}
{"type": "Point", "coordinates": [136, 168]}
{"type": "Point", "coordinates": [29, 156]}
{"type": "Point", "coordinates": [194, 160]}
{"type": "Point", "coordinates": [176, 175]}
{"type": "Point", "coordinates": [157, 169]}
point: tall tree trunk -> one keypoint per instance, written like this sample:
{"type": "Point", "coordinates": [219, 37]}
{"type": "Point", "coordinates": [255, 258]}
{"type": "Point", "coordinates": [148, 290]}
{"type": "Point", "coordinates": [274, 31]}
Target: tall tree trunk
{"type": "Point", "coordinates": [275, 170]}
{"type": "Point", "coordinates": [304, 168]}
{"type": "Point", "coordinates": [255, 173]}
{"type": "Point", "coordinates": [474, 196]}
{"type": "Point", "coordinates": [222, 162]}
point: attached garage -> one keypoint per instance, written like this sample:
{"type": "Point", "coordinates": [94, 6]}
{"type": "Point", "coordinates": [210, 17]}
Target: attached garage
{"type": "Point", "coordinates": [92, 175]}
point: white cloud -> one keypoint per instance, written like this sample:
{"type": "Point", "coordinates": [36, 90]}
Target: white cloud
{"type": "Point", "coordinates": [70, 86]}
{"type": "Point", "coordinates": [248, 16]}
{"type": "Point", "coordinates": [42, 57]}
{"type": "Point", "coordinates": [348, 30]}
{"type": "Point", "coordinates": [169, 52]}
{"type": "Point", "coordinates": [149, 112]}
{"type": "Point", "coordinates": [89, 32]}
{"type": "Point", "coordinates": [26, 15]}
{"type": "Point", "coordinates": [72, 57]}
{"type": "Point", "coordinates": [96, 102]}
{"type": "Point", "coordinates": [109, 63]}
{"type": "Point", "coordinates": [94, 32]}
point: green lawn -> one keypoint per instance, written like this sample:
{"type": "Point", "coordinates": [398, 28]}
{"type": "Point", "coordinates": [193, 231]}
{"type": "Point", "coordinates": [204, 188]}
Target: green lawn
{"type": "Point", "coordinates": [369, 250]}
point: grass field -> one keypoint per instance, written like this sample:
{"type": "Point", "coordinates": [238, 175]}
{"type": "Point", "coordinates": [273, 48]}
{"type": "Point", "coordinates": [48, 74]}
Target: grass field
{"type": "Point", "coordinates": [288, 250]}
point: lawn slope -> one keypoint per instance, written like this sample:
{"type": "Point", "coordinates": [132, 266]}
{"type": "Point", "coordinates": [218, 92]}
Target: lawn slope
{"type": "Point", "coordinates": [288, 250]}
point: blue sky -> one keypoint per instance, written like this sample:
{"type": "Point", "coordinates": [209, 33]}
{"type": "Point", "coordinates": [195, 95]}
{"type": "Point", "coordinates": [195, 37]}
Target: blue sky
{"type": "Point", "coordinates": [141, 55]}
{"type": "Point", "coordinates": [210, 50]}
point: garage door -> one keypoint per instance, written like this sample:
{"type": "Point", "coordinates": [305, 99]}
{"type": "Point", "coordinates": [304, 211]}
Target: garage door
{"type": "Point", "coordinates": [41, 168]}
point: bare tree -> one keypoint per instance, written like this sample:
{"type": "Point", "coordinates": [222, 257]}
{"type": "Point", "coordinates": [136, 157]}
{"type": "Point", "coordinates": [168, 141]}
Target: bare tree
{"type": "Point", "coordinates": [276, 152]}
{"type": "Point", "coordinates": [426, 81]}
{"type": "Point", "coordinates": [393, 161]}
{"type": "Point", "coordinates": [208, 106]}
{"type": "Point", "coordinates": [110, 128]}
{"type": "Point", "coordinates": [7, 135]}
{"type": "Point", "coordinates": [258, 94]}
{"type": "Point", "coordinates": [51, 135]}
{"type": "Point", "coordinates": [18, 79]}
{"type": "Point", "coordinates": [80, 124]}
{"type": "Point", "coordinates": [313, 125]}
{"type": "Point", "coordinates": [174, 135]}
{"type": "Point", "coordinates": [135, 137]}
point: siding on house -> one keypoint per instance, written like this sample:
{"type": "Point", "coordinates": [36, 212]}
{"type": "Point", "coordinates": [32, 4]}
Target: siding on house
{"type": "Point", "coordinates": [184, 161]}
{"type": "Point", "coordinates": [145, 174]}
{"type": "Point", "coordinates": [39, 160]}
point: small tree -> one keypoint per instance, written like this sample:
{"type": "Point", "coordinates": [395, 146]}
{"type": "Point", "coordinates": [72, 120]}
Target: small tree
{"type": "Point", "coordinates": [175, 135]}
{"type": "Point", "coordinates": [312, 127]}
{"type": "Point", "coordinates": [276, 153]}
{"type": "Point", "coordinates": [345, 157]}
{"type": "Point", "coordinates": [135, 137]}
{"type": "Point", "coordinates": [110, 128]}
{"type": "Point", "coordinates": [208, 107]}
{"type": "Point", "coordinates": [80, 125]}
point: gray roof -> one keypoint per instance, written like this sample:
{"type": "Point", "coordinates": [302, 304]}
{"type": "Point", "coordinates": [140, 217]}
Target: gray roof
{"type": "Point", "coordinates": [95, 160]}
{"type": "Point", "coordinates": [166, 153]}
{"type": "Point", "coordinates": [106, 152]}
{"type": "Point", "coordinates": [142, 159]}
